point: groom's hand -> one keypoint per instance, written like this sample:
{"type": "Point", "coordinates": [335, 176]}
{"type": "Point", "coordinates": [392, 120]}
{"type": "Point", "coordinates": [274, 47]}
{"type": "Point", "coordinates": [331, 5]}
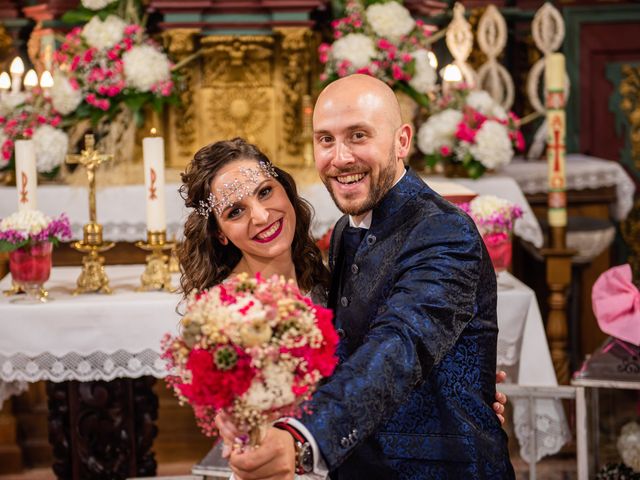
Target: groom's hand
{"type": "Point", "coordinates": [275, 459]}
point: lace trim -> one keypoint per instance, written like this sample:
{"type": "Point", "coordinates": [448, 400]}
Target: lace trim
{"type": "Point", "coordinates": [552, 430]}
{"type": "Point", "coordinates": [508, 353]}
{"type": "Point", "coordinates": [84, 368]}
{"type": "Point", "coordinates": [8, 389]}
{"type": "Point", "coordinates": [128, 232]}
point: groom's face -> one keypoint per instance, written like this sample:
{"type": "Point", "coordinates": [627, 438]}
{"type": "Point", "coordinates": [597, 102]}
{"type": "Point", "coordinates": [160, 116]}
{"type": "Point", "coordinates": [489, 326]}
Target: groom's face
{"type": "Point", "coordinates": [354, 149]}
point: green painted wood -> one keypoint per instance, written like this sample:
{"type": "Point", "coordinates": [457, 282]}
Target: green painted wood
{"type": "Point", "coordinates": [574, 18]}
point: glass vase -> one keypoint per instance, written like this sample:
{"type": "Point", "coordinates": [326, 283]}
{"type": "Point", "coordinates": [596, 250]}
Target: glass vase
{"type": "Point", "coordinates": [30, 268]}
{"type": "Point", "coordinates": [500, 250]}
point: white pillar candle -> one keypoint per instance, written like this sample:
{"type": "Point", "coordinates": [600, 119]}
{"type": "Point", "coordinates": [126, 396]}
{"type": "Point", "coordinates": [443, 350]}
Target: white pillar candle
{"type": "Point", "coordinates": [26, 175]}
{"type": "Point", "coordinates": [153, 160]}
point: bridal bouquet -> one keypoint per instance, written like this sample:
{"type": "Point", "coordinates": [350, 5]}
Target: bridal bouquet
{"type": "Point", "coordinates": [253, 347]}
{"type": "Point", "coordinates": [384, 41]}
{"type": "Point", "coordinates": [469, 130]}
{"type": "Point", "coordinates": [495, 218]}
{"type": "Point", "coordinates": [108, 62]}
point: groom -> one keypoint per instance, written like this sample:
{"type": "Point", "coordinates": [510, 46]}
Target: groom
{"type": "Point", "coordinates": [414, 295]}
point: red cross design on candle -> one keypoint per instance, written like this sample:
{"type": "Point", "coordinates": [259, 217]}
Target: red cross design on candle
{"type": "Point", "coordinates": [556, 146]}
{"type": "Point", "coordinates": [24, 193]}
{"type": "Point", "coordinates": [152, 186]}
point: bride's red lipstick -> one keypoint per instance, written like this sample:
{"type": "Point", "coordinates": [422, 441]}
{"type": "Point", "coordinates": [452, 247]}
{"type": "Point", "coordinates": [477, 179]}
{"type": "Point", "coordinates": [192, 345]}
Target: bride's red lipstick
{"type": "Point", "coordinates": [270, 237]}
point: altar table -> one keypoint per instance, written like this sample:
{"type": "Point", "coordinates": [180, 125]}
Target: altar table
{"type": "Point", "coordinates": [105, 337]}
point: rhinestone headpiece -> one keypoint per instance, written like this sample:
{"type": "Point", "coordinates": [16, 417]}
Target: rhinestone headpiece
{"type": "Point", "coordinates": [236, 190]}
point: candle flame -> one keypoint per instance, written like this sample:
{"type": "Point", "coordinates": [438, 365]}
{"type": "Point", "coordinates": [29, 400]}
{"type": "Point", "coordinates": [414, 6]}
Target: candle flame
{"type": "Point", "coordinates": [31, 79]}
{"type": "Point", "coordinates": [433, 60]}
{"type": "Point", "coordinates": [5, 81]}
{"type": "Point", "coordinates": [46, 80]}
{"type": "Point", "coordinates": [17, 66]}
{"type": "Point", "coordinates": [154, 132]}
{"type": "Point", "coordinates": [452, 73]}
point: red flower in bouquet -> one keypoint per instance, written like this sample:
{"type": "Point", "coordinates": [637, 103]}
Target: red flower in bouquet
{"type": "Point", "coordinates": [254, 347]}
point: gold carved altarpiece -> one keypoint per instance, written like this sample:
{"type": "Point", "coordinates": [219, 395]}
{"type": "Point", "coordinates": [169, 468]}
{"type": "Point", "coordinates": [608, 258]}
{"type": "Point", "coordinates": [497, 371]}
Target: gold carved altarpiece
{"type": "Point", "coordinates": [247, 85]}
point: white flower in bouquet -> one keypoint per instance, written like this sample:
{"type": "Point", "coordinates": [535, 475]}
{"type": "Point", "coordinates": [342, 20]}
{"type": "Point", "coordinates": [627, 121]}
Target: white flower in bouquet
{"type": "Point", "coordinates": [273, 391]}
{"type": "Point", "coordinates": [356, 48]}
{"type": "Point", "coordinates": [104, 34]}
{"type": "Point", "coordinates": [3, 138]}
{"type": "Point", "coordinates": [481, 101]}
{"type": "Point", "coordinates": [96, 4]}
{"type": "Point", "coordinates": [145, 66]}
{"type": "Point", "coordinates": [424, 79]}
{"type": "Point", "coordinates": [629, 445]}
{"type": "Point", "coordinates": [484, 206]}
{"type": "Point", "coordinates": [64, 98]}
{"type": "Point", "coordinates": [439, 131]}
{"type": "Point", "coordinates": [51, 146]}
{"type": "Point", "coordinates": [28, 222]}
{"type": "Point", "coordinates": [492, 145]}
{"type": "Point", "coordinates": [390, 20]}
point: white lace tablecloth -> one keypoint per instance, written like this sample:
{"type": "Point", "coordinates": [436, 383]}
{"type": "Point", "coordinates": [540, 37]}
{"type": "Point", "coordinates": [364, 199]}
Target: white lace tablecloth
{"type": "Point", "coordinates": [101, 337]}
{"type": "Point", "coordinates": [527, 227]}
{"type": "Point", "coordinates": [85, 337]}
{"type": "Point", "coordinates": [582, 172]}
{"type": "Point", "coordinates": [524, 354]}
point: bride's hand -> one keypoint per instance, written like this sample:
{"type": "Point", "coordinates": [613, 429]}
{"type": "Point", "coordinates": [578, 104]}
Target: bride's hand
{"type": "Point", "coordinates": [229, 432]}
{"type": "Point", "coordinates": [501, 398]}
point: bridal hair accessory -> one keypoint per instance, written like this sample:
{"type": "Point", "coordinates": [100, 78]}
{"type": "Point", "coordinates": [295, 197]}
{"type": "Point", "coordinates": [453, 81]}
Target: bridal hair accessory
{"type": "Point", "coordinates": [232, 192]}
{"type": "Point", "coordinates": [254, 348]}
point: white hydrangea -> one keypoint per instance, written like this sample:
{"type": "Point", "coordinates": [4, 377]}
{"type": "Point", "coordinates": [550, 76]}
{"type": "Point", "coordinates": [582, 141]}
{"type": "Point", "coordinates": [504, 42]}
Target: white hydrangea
{"type": "Point", "coordinates": [492, 145]}
{"type": "Point", "coordinates": [390, 20]}
{"type": "Point", "coordinates": [629, 445]}
{"type": "Point", "coordinates": [10, 101]}
{"type": "Point", "coordinates": [484, 206]}
{"type": "Point", "coordinates": [64, 98]}
{"type": "Point", "coordinates": [273, 391]}
{"type": "Point", "coordinates": [424, 79]}
{"type": "Point", "coordinates": [28, 222]}
{"type": "Point", "coordinates": [357, 48]}
{"type": "Point", "coordinates": [144, 66]}
{"type": "Point", "coordinates": [104, 34]}
{"type": "Point", "coordinates": [96, 4]}
{"type": "Point", "coordinates": [438, 131]}
{"type": "Point", "coordinates": [51, 145]}
{"type": "Point", "coordinates": [481, 101]}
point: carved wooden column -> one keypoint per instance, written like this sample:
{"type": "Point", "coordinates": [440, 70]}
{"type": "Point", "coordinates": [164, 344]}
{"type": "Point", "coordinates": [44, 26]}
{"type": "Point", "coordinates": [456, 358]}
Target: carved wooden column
{"type": "Point", "coordinates": [103, 430]}
{"type": "Point", "coordinates": [10, 454]}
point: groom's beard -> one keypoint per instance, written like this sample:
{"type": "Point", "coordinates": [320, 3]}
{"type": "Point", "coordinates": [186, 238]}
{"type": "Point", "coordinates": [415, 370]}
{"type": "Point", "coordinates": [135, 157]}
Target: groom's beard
{"type": "Point", "coordinates": [378, 189]}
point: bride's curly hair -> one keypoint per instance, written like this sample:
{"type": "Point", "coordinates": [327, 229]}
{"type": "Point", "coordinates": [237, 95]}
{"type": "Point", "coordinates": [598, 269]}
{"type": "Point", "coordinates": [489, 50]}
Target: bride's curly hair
{"type": "Point", "coordinates": [204, 260]}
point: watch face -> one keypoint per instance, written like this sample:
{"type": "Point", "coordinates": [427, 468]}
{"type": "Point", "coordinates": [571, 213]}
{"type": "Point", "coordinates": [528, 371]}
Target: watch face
{"type": "Point", "coordinates": [306, 457]}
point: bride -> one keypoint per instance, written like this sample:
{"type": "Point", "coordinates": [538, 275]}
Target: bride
{"type": "Point", "coordinates": [247, 217]}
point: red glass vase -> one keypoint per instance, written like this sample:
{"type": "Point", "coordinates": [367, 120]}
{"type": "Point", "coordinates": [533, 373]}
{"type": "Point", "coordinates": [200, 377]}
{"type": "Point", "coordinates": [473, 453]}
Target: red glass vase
{"type": "Point", "coordinates": [500, 250]}
{"type": "Point", "coordinates": [30, 267]}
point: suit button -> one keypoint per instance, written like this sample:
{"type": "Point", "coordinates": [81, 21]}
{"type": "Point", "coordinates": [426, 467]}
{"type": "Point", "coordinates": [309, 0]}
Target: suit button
{"type": "Point", "coordinates": [354, 269]}
{"type": "Point", "coordinates": [344, 442]}
{"type": "Point", "coordinates": [371, 239]}
{"type": "Point", "coordinates": [344, 301]}
{"type": "Point", "coordinates": [340, 333]}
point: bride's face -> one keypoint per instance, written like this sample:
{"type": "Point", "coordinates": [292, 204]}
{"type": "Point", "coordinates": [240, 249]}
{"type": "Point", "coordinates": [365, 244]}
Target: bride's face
{"type": "Point", "coordinates": [252, 210]}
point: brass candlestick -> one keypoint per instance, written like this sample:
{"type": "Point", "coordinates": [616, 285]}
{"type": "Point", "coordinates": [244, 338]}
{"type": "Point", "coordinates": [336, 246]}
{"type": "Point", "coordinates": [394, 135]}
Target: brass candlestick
{"type": "Point", "coordinates": [156, 275]}
{"type": "Point", "coordinates": [93, 278]}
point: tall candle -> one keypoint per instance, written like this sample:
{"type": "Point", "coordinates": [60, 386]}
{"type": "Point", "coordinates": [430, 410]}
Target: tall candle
{"type": "Point", "coordinates": [556, 133]}
{"type": "Point", "coordinates": [26, 176]}
{"type": "Point", "coordinates": [153, 160]}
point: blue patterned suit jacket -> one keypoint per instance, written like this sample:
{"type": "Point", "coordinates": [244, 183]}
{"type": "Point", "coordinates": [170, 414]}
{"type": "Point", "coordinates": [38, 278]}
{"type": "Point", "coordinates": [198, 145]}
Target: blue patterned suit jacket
{"type": "Point", "coordinates": [411, 398]}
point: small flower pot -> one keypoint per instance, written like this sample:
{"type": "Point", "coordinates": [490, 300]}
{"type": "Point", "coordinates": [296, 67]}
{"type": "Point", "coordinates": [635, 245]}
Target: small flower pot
{"type": "Point", "coordinates": [500, 250]}
{"type": "Point", "coordinates": [30, 268]}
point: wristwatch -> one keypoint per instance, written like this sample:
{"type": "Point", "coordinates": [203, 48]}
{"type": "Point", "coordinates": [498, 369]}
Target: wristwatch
{"type": "Point", "coordinates": [304, 452]}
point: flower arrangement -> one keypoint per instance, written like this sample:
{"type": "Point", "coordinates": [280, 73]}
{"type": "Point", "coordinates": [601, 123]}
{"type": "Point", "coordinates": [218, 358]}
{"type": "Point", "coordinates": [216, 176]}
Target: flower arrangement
{"type": "Point", "coordinates": [33, 118]}
{"type": "Point", "coordinates": [106, 63]}
{"type": "Point", "coordinates": [468, 129]}
{"type": "Point", "coordinates": [384, 41]}
{"type": "Point", "coordinates": [28, 227]}
{"type": "Point", "coordinates": [495, 218]}
{"type": "Point", "coordinates": [253, 347]}
{"type": "Point", "coordinates": [629, 445]}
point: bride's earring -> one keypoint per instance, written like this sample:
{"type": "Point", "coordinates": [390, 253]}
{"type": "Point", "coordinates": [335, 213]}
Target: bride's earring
{"type": "Point", "coordinates": [222, 239]}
